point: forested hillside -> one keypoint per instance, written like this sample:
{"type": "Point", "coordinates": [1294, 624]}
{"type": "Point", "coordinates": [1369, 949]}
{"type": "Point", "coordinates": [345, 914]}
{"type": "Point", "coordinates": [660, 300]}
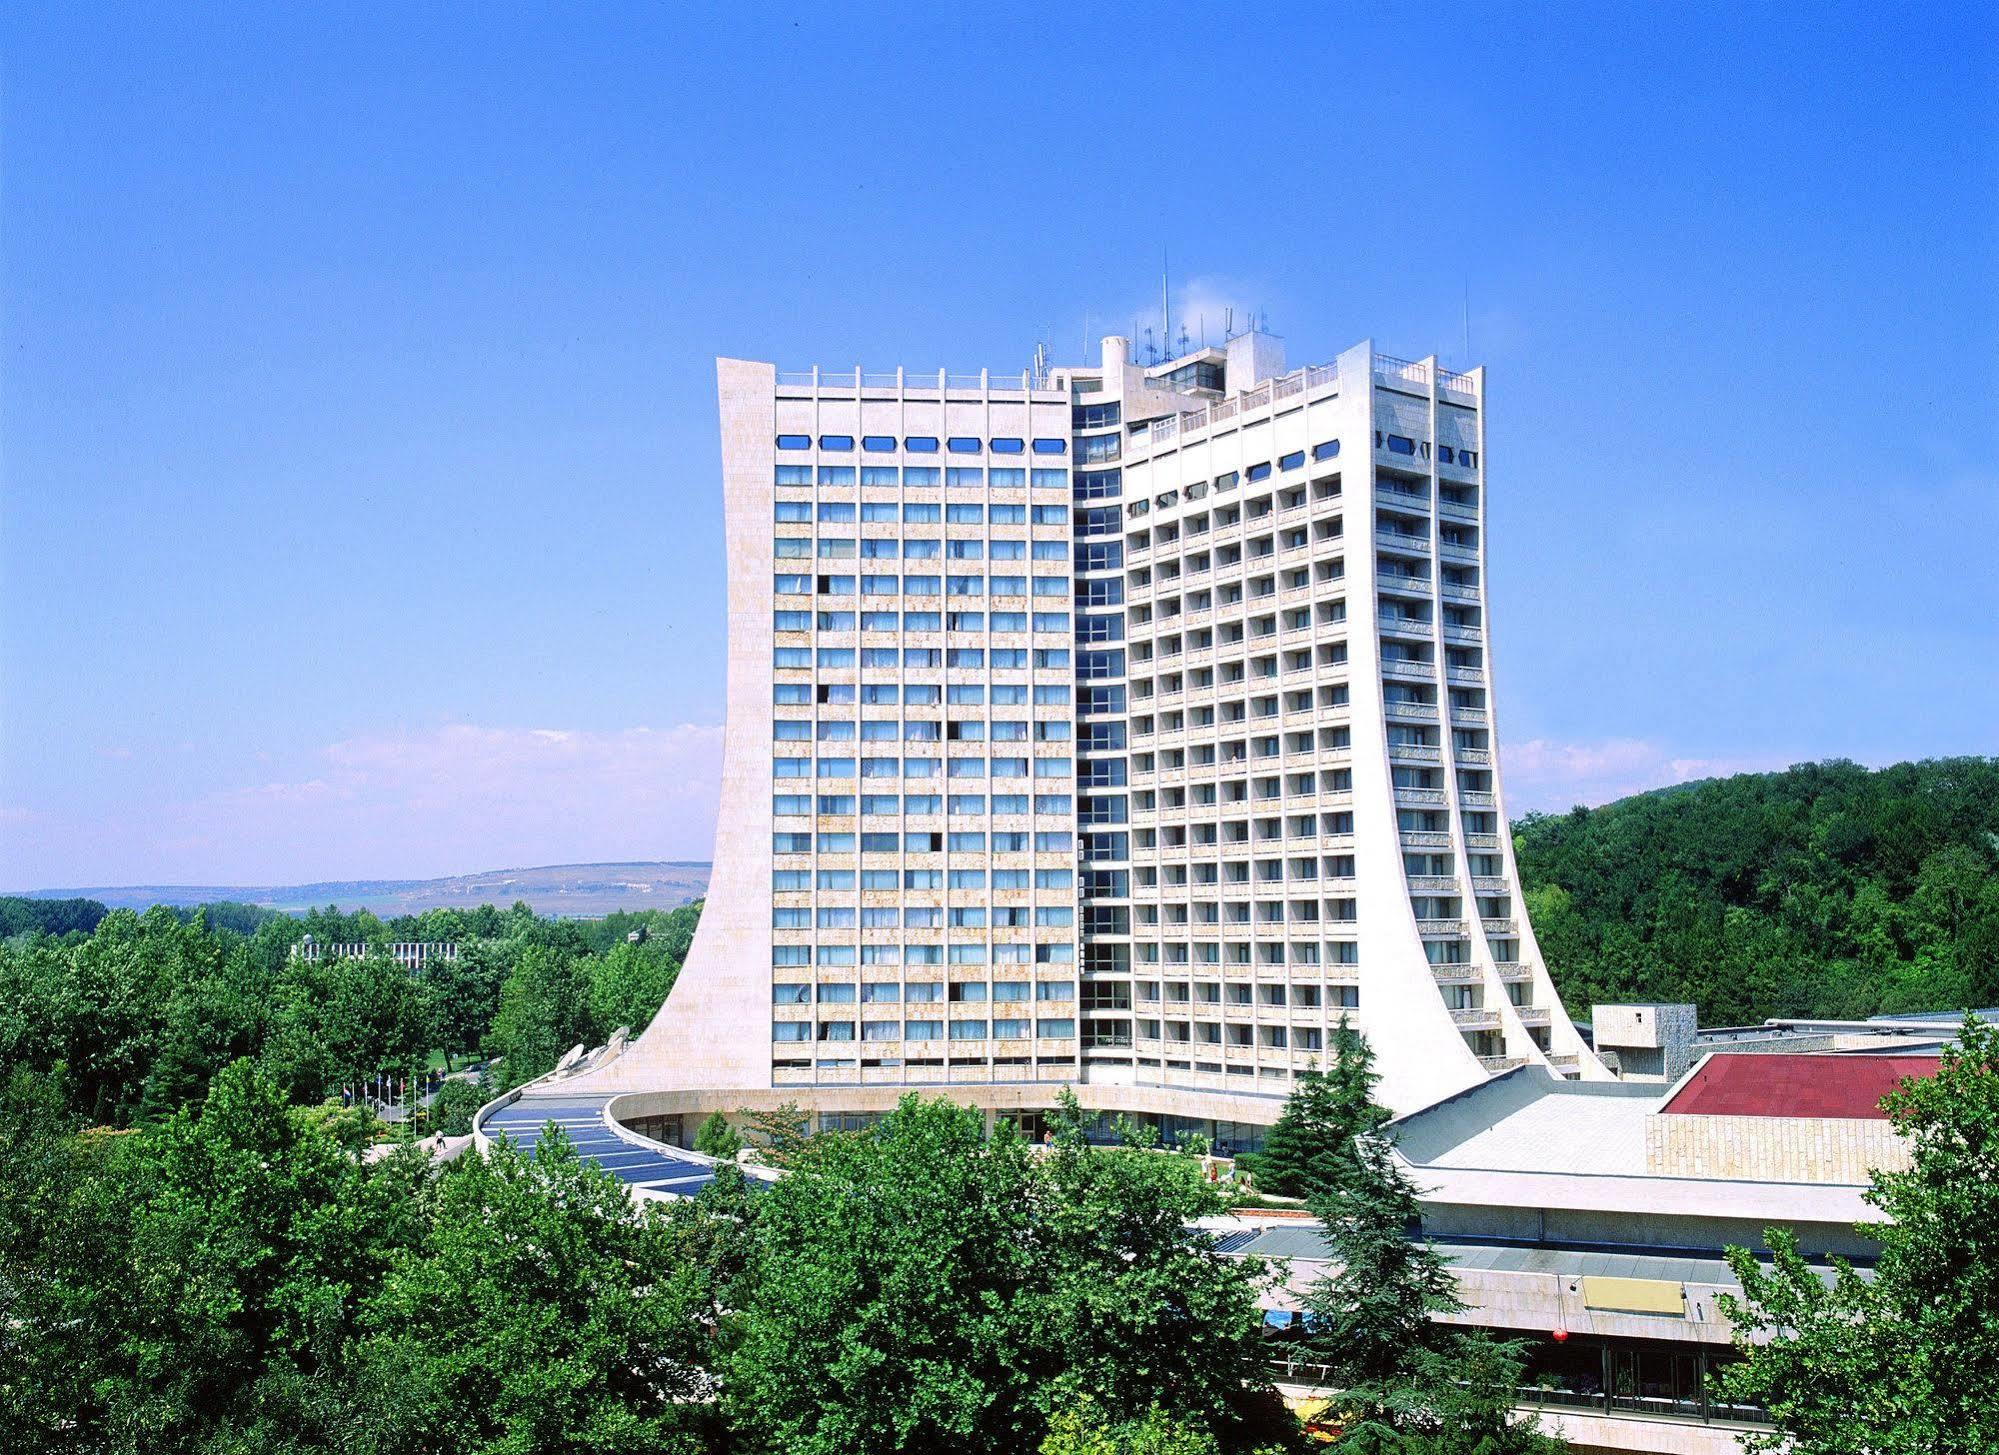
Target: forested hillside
{"type": "Point", "coordinates": [1827, 889]}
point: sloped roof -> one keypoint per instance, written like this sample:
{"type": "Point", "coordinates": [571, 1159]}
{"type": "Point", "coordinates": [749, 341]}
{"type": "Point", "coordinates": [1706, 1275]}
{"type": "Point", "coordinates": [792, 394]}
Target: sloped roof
{"type": "Point", "coordinates": [1794, 1084]}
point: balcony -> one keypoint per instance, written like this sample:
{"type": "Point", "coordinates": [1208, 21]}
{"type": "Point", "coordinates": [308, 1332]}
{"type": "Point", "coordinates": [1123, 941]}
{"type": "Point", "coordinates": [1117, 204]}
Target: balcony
{"type": "Point", "coordinates": [1475, 1018]}
{"type": "Point", "coordinates": [1501, 926]}
{"type": "Point", "coordinates": [1440, 927]}
{"type": "Point", "coordinates": [1496, 1064]}
{"type": "Point", "coordinates": [1466, 974]}
{"type": "Point", "coordinates": [1513, 969]}
{"type": "Point", "coordinates": [1433, 884]}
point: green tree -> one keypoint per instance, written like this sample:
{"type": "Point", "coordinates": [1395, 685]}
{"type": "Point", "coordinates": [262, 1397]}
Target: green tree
{"type": "Point", "coordinates": [778, 1133]}
{"type": "Point", "coordinates": [1314, 1136]}
{"type": "Point", "coordinates": [716, 1138]}
{"type": "Point", "coordinates": [628, 983]}
{"type": "Point", "coordinates": [1906, 1362]}
{"type": "Point", "coordinates": [1083, 1430]}
{"type": "Point", "coordinates": [462, 995]}
{"type": "Point", "coordinates": [922, 1286]}
{"type": "Point", "coordinates": [542, 1013]}
{"type": "Point", "coordinates": [457, 1102]}
{"type": "Point", "coordinates": [254, 1233]}
{"type": "Point", "coordinates": [541, 1312]}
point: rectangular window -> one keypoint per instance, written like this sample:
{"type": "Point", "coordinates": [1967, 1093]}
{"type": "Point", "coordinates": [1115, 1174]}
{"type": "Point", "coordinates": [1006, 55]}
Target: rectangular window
{"type": "Point", "coordinates": [836, 474]}
{"type": "Point", "coordinates": [794, 441]}
{"type": "Point", "coordinates": [880, 475]}
{"type": "Point", "coordinates": [961, 478]}
{"type": "Point", "coordinates": [1259, 472]}
{"type": "Point", "coordinates": [963, 445]}
{"type": "Point", "coordinates": [1325, 449]}
{"type": "Point", "coordinates": [878, 444]}
{"type": "Point", "coordinates": [839, 443]}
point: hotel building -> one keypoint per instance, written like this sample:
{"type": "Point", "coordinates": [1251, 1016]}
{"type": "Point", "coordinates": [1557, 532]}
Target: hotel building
{"type": "Point", "coordinates": [1115, 727]}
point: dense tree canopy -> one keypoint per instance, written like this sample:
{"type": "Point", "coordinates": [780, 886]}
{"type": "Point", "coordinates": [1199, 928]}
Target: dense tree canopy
{"type": "Point", "coordinates": [1824, 890]}
{"type": "Point", "coordinates": [143, 1010]}
{"type": "Point", "coordinates": [925, 1287]}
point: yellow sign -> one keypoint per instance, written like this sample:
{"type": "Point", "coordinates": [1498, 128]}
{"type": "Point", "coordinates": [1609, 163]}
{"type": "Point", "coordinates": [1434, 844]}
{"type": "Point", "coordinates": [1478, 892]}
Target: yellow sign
{"type": "Point", "coordinates": [1634, 1296]}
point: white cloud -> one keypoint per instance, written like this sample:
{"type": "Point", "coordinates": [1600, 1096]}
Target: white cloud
{"type": "Point", "coordinates": [453, 799]}
{"type": "Point", "coordinates": [1553, 777]}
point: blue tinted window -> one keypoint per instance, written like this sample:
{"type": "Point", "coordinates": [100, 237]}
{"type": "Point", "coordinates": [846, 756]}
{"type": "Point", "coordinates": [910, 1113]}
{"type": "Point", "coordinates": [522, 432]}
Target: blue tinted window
{"type": "Point", "coordinates": [1051, 447]}
{"type": "Point", "coordinates": [1006, 445]}
{"type": "Point", "coordinates": [878, 444]}
{"type": "Point", "coordinates": [880, 475]}
{"type": "Point", "coordinates": [1444, 454]}
{"type": "Point", "coordinates": [836, 442]}
{"type": "Point", "coordinates": [836, 474]}
{"type": "Point", "coordinates": [794, 474]}
{"type": "Point", "coordinates": [1401, 444]}
{"type": "Point", "coordinates": [964, 444]}
{"type": "Point", "coordinates": [1326, 450]}
{"type": "Point", "coordinates": [793, 510]}
{"type": "Point", "coordinates": [794, 441]}
{"type": "Point", "coordinates": [1260, 472]}
{"type": "Point", "coordinates": [1292, 461]}
{"type": "Point", "coordinates": [920, 444]}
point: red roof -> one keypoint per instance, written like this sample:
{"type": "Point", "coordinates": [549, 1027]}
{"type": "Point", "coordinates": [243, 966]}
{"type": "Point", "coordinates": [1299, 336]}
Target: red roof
{"type": "Point", "coordinates": [1792, 1084]}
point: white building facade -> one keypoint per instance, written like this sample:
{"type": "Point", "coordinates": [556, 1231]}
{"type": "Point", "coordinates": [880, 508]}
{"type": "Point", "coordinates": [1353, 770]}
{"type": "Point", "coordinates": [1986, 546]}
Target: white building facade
{"type": "Point", "coordinates": [1121, 728]}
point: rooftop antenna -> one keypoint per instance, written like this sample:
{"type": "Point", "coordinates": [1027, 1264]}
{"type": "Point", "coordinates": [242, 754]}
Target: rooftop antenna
{"type": "Point", "coordinates": [1165, 302]}
{"type": "Point", "coordinates": [1228, 322]}
{"type": "Point", "coordinates": [1467, 320]}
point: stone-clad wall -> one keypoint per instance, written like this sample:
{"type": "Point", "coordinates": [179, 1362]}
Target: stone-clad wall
{"type": "Point", "coordinates": [1773, 1149]}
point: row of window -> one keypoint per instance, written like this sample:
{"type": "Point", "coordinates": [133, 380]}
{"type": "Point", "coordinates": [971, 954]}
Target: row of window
{"type": "Point", "coordinates": [961, 1030]}
{"type": "Point", "coordinates": [923, 444]}
{"type": "Point", "coordinates": [793, 956]}
{"type": "Point", "coordinates": [915, 477]}
{"type": "Point", "coordinates": [797, 881]}
{"type": "Point", "coordinates": [958, 694]}
{"type": "Point", "coordinates": [922, 767]}
{"type": "Point", "coordinates": [966, 585]}
{"type": "Point", "coordinates": [916, 805]}
{"type": "Point", "coordinates": [1002, 659]}
{"type": "Point", "coordinates": [957, 730]}
{"type": "Point", "coordinates": [918, 694]}
{"type": "Point", "coordinates": [924, 621]}
{"type": "Point", "coordinates": [889, 992]}
{"type": "Point", "coordinates": [1265, 952]}
{"type": "Point", "coordinates": [925, 841]}
{"type": "Point", "coordinates": [919, 548]}
{"type": "Point", "coordinates": [1402, 444]}
{"type": "Point", "coordinates": [843, 512]}
{"type": "Point", "coordinates": [1229, 479]}
{"type": "Point", "coordinates": [959, 917]}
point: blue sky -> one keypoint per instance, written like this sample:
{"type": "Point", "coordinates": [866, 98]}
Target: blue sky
{"type": "Point", "coordinates": [360, 514]}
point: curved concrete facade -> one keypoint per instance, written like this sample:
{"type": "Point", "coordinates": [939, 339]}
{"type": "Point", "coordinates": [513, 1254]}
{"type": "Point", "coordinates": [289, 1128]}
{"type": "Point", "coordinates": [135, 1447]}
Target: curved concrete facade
{"type": "Point", "coordinates": [1122, 728]}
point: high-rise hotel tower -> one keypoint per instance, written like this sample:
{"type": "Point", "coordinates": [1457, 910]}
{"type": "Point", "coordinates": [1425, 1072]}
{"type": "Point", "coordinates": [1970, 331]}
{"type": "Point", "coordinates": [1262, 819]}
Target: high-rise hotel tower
{"type": "Point", "coordinates": [1122, 728]}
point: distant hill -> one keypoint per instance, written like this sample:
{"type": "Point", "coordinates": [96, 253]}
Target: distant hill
{"type": "Point", "coordinates": [576, 891]}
